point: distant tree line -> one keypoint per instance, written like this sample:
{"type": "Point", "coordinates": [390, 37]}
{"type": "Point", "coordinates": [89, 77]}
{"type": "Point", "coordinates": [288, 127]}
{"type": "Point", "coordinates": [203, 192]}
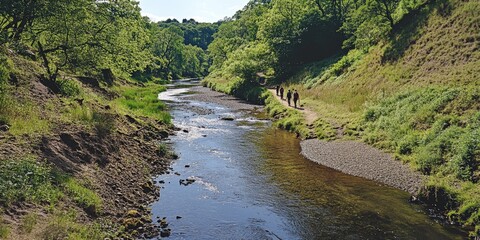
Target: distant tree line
{"type": "Point", "coordinates": [94, 37]}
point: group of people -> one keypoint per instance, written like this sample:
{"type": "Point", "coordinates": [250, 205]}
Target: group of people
{"type": "Point", "coordinates": [290, 94]}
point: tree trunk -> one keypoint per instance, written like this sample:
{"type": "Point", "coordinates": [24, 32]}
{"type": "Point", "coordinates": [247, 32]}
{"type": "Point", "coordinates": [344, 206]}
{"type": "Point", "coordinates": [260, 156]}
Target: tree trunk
{"type": "Point", "coordinates": [108, 76]}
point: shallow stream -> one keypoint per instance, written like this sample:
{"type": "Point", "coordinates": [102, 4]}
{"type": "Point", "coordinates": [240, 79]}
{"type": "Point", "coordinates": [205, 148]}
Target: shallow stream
{"type": "Point", "coordinates": [250, 182]}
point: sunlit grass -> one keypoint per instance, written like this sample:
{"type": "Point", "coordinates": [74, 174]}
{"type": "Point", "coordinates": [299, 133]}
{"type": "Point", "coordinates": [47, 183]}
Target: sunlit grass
{"type": "Point", "coordinates": [83, 196]}
{"type": "Point", "coordinates": [65, 225]}
{"type": "Point", "coordinates": [143, 101]}
{"type": "Point", "coordinates": [23, 117]}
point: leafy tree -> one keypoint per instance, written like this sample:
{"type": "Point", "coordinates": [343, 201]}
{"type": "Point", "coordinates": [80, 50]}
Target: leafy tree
{"type": "Point", "coordinates": [369, 23]}
{"type": "Point", "coordinates": [84, 35]}
{"type": "Point", "coordinates": [167, 47]}
{"type": "Point", "coordinates": [18, 15]}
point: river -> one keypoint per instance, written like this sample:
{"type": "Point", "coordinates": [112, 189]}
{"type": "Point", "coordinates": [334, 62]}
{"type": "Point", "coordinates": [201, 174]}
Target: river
{"type": "Point", "coordinates": [250, 182]}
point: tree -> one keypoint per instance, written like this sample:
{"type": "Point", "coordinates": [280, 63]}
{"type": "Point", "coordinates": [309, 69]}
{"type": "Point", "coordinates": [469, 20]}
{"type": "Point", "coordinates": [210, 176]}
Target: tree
{"type": "Point", "coordinates": [18, 15]}
{"type": "Point", "coordinates": [369, 23]}
{"type": "Point", "coordinates": [167, 47]}
{"type": "Point", "coordinates": [86, 35]}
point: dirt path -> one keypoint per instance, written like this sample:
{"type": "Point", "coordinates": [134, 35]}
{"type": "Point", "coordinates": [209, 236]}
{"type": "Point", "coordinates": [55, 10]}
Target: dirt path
{"type": "Point", "coordinates": [310, 116]}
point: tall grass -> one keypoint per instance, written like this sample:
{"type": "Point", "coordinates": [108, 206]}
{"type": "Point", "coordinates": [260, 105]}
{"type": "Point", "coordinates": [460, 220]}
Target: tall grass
{"type": "Point", "coordinates": [143, 101]}
{"type": "Point", "coordinates": [27, 180]}
{"type": "Point", "coordinates": [64, 225]}
{"type": "Point", "coordinates": [84, 197]}
{"type": "Point", "coordinates": [437, 129]}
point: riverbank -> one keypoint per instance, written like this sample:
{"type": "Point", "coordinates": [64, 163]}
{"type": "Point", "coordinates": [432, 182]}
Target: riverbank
{"type": "Point", "coordinates": [449, 203]}
{"type": "Point", "coordinates": [79, 163]}
{"type": "Point", "coordinates": [248, 177]}
{"type": "Point", "coordinates": [350, 157]}
{"type": "Point", "coordinates": [361, 160]}
{"type": "Point", "coordinates": [356, 158]}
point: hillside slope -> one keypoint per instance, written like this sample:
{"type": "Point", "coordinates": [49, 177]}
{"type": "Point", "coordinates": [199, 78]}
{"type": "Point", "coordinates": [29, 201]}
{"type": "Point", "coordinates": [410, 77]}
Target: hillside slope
{"type": "Point", "coordinates": [79, 163]}
{"type": "Point", "coordinates": [416, 95]}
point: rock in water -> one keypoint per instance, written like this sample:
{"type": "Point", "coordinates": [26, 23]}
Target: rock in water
{"type": "Point", "coordinates": [227, 118]}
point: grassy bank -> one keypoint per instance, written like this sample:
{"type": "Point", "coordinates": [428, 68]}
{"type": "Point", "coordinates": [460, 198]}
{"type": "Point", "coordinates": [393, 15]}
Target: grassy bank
{"type": "Point", "coordinates": [414, 94]}
{"type": "Point", "coordinates": [60, 152]}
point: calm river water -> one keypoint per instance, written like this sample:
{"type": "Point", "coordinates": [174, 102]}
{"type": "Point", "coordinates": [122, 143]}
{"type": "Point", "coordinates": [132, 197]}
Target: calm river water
{"type": "Point", "coordinates": [252, 183]}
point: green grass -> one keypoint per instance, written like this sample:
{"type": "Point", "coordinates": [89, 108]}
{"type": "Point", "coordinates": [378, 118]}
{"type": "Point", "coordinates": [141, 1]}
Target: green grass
{"type": "Point", "coordinates": [285, 118]}
{"type": "Point", "coordinates": [64, 225]}
{"type": "Point", "coordinates": [84, 197]}
{"type": "Point", "coordinates": [437, 129]}
{"type": "Point", "coordinates": [101, 121]}
{"type": "Point", "coordinates": [4, 231]}
{"type": "Point", "coordinates": [143, 101]}
{"type": "Point", "coordinates": [27, 180]}
{"type": "Point", "coordinates": [29, 222]}
{"type": "Point", "coordinates": [23, 116]}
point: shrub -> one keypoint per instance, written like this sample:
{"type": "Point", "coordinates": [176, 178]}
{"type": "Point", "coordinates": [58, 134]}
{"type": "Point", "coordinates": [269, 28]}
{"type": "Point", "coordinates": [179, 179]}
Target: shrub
{"type": "Point", "coordinates": [26, 180]}
{"type": "Point", "coordinates": [68, 87]}
{"type": "Point", "coordinates": [104, 123]}
{"type": "Point", "coordinates": [464, 162]}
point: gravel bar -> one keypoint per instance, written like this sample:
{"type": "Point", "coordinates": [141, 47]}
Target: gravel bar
{"type": "Point", "coordinates": [362, 160]}
{"type": "Point", "coordinates": [204, 94]}
{"type": "Point", "coordinates": [354, 158]}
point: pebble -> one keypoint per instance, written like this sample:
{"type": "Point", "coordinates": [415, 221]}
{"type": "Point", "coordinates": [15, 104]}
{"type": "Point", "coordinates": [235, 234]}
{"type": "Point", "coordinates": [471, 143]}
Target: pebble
{"type": "Point", "coordinates": [362, 160]}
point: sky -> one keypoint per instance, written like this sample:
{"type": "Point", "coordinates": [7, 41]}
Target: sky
{"type": "Point", "coordinates": [200, 10]}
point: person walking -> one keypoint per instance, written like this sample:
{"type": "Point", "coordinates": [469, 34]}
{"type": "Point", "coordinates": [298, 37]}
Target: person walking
{"type": "Point", "coordinates": [278, 88]}
{"type": "Point", "coordinates": [296, 98]}
{"type": "Point", "coordinates": [281, 93]}
{"type": "Point", "coordinates": [289, 96]}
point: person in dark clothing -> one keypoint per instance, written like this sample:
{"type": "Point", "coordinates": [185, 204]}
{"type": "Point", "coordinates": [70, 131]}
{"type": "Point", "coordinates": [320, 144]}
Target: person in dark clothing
{"type": "Point", "coordinates": [281, 93]}
{"type": "Point", "coordinates": [296, 98]}
{"type": "Point", "coordinates": [278, 88]}
{"type": "Point", "coordinates": [289, 96]}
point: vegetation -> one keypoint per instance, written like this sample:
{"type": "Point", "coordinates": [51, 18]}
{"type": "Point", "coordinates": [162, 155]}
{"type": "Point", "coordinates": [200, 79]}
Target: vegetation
{"type": "Point", "coordinates": [63, 225]}
{"type": "Point", "coordinates": [27, 180]}
{"type": "Point", "coordinates": [143, 101]}
{"type": "Point", "coordinates": [401, 75]}
{"type": "Point", "coordinates": [398, 74]}
{"type": "Point", "coordinates": [82, 66]}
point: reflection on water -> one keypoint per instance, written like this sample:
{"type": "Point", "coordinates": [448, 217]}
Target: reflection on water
{"type": "Point", "coordinates": [324, 202]}
{"type": "Point", "coordinates": [252, 183]}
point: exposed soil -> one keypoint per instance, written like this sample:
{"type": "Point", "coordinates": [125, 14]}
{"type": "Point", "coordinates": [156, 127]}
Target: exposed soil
{"type": "Point", "coordinates": [118, 165]}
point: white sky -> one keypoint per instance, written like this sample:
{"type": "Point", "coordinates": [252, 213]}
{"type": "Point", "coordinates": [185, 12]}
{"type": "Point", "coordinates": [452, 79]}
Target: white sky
{"type": "Point", "coordinates": [200, 10]}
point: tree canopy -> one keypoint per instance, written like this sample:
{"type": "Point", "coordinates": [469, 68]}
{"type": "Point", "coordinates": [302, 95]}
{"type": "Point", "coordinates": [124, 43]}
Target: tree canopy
{"type": "Point", "coordinates": [88, 37]}
{"type": "Point", "coordinates": [296, 32]}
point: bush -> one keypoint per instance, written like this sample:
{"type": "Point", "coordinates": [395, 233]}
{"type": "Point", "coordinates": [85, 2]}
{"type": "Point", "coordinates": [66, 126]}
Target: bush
{"type": "Point", "coordinates": [104, 123]}
{"type": "Point", "coordinates": [464, 162]}
{"type": "Point", "coordinates": [68, 87]}
{"type": "Point", "coordinates": [26, 180]}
